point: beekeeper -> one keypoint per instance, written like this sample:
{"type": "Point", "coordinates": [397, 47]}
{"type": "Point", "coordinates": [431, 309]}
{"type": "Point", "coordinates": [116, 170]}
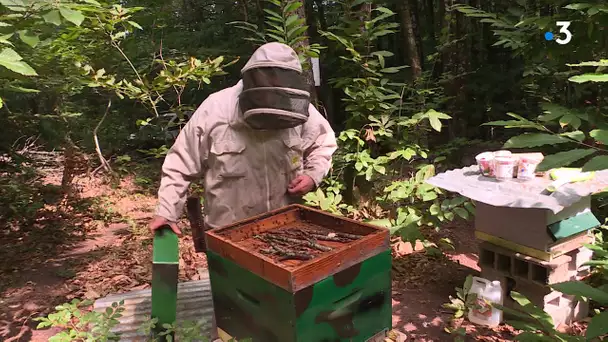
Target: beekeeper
{"type": "Point", "coordinates": [257, 145]}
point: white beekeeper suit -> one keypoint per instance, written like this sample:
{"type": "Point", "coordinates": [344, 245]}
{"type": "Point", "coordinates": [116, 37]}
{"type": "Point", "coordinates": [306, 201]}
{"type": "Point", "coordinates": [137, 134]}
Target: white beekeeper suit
{"type": "Point", "coordinates": [248, 142]}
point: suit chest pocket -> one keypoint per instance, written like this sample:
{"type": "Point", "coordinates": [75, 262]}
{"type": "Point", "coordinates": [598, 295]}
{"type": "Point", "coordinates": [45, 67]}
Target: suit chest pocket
{"type": "Point", "coordinates": [228, 158]}
{"type": "Point", "coordinates": [294, 153]}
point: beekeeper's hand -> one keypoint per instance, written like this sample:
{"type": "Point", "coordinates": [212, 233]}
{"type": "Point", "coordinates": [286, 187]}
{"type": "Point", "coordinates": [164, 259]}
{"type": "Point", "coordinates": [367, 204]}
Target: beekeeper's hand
{"type": "Point", "coordinates": [301, 185]}
{"type": "Point", "coordinates": [158, 221]}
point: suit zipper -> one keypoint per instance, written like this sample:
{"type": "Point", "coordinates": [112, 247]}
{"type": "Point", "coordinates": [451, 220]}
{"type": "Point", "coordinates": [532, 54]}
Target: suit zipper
{"type": "Point", "coordinates": [266, 177]}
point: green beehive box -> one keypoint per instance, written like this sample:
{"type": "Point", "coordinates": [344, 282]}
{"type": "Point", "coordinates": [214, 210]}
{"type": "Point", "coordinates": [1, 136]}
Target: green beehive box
{"type": "Point", "coordinates": [342, 294]}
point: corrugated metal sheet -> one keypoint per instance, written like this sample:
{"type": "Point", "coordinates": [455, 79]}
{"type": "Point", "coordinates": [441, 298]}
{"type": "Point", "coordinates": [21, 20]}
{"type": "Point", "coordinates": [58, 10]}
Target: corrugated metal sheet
{"type": "Point", "coordinates": [516, 193]}
{"type": "Point", "coordinates": [194, 303]}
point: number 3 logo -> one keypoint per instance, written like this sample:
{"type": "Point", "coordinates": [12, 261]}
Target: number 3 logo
{"type": "Point", "coordinates": [564, 29]}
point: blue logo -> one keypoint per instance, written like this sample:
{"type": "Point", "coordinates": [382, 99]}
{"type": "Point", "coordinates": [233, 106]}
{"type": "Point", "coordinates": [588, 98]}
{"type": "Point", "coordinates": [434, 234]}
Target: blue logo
{"type": "Point", "coordinates": [548, 35]}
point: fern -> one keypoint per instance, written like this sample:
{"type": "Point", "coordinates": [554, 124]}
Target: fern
{"type": "Point", "coordinates": [513, 30]}
{"type": "Point", "coordinates": [284, 26]}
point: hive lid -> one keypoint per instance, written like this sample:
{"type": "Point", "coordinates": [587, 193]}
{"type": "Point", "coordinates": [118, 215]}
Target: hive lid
{"type": "Point", "coordinates": [469, 182]}
{"type": "Point", "coordinates": [573, 225]}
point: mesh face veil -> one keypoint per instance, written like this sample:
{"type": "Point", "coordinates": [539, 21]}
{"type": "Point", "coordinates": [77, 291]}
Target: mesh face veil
{"type": "Point", "coordinates": [274, 93]}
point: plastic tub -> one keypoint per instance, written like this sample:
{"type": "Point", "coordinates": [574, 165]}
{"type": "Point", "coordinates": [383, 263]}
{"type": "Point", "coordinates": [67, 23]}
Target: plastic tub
{"type": "Point", "coordinates": [502, 153]}
{"type": "Point", "coordinates": [484, 161]}
{"type": "Point", "coordinates": [503, 167]}
{"type": "Point", "coordinates": [526, 167]}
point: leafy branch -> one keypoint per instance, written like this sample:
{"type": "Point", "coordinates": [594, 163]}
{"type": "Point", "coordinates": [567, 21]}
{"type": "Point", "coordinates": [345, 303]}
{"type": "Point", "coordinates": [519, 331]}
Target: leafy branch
{"type": "Point", "coordinates": [591, 144]}
{"type": "Point", "coordinates": [283, 25]}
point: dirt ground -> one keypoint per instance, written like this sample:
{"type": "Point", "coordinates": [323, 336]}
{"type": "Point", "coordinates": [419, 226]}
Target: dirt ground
{"type": "Point", "coordinates": [90, 255]}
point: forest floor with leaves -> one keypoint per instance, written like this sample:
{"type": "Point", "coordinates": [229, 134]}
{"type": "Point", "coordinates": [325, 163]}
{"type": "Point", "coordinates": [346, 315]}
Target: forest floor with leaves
{"type": "Point", "coordinates": [99, 244]}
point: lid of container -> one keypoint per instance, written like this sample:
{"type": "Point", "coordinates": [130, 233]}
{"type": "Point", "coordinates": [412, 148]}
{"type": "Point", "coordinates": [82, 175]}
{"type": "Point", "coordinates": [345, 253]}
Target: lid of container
{"type": "Point", "coordinates": [505, 159]}
{"type": "Point", "coordinates": [485, 156]}
{"type": "Point", "coordinates": [495, 283]}
{"type": "Point", "coordinates": [531, 160]}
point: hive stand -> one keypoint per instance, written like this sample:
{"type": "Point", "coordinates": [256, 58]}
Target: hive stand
{"type": "Point", "coordinates": [531, 277]}
{"type": "Point", "coordinates": [532, 238]}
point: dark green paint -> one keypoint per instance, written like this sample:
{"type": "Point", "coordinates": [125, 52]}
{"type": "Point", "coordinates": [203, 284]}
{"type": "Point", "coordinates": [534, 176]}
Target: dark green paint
{"type": "Point", "coordinates": [247, 305]}
{"type": "Point", "coordinates": [573, 225]}
{"type": "Point", "coordinates": [166, 247]}
{"type": "Point", "coordinates": [165, 271]}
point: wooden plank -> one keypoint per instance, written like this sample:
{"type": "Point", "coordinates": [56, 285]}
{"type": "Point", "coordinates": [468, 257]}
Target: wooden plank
{"type": "Point", "coordinates": [194, 303]}
{"type": "Point", "coordinates": [339, 223]}
{"type": "Point", "coordinates": [245, 229]}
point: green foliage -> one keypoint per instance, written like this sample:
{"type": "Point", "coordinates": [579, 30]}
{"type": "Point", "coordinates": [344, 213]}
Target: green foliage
{"type": "Point", "coordinates": [172, 80]}
{"type": "Point", "coordinates": [80, 325]}
{"type": "Point", "coordinates": [537, 325]}
{"type": "Point", "coordinates": [600, 254]}
{"type": "Point", "coordinates": [22, 195]}
{"type": "Point", "coordinates": [378, 120]}
{"type": "Point", "coordinates": [368, 88]}
{"type": "Point", "coordinates": [463, 301]}
{"type": "Point", "coordinates": [571, 131]}
{"type": "Point", "coordinates": [29, 21]}
{"type": "Point", "coordinates": [282, 25]}
{"type": "Point", "coordinates": [461, 304]}
{"type": "Point", "coordinates": [329, 200]}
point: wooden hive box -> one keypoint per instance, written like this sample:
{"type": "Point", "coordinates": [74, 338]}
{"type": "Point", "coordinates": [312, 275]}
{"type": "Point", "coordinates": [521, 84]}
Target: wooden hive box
{"type": "Point", "coordinates": [342, 294]}
{"type": "Point", "coordinates": [536, 232]}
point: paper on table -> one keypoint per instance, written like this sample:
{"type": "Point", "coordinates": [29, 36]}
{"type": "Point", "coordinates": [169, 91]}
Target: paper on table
{"type": "Point", "coordinates": [516, 193]}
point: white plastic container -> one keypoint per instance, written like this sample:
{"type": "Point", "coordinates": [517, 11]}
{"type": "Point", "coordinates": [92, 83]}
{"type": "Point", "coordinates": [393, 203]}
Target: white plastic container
{"type": "Point", "coordinates": [503, 167]}
{"type": "Point", "coordinates": [484, 161]}
{"type": "Point", "coordinates": [526, 168]}
{"type": "Point", "coordinates": [483, 313]}
{"type": "Point", "coordinates": [502, 153]}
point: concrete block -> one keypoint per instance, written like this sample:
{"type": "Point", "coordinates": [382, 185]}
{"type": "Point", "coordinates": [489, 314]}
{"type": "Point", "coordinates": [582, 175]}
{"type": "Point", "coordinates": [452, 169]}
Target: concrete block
{"type": "Point", "coordinates": [563, 309]}
{"type": "Point", "coordinates": [579, 257]}
{"type": "Point", "coordinates": [520, 266]}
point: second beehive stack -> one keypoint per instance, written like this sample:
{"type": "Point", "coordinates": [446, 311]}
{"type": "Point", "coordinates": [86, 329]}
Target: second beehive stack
{"type": "Point", "coordinates": [529, 249]}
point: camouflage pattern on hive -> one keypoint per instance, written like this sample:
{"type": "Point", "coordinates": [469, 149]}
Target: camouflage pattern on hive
{"type": "Point", "coordinates": [351, 305]}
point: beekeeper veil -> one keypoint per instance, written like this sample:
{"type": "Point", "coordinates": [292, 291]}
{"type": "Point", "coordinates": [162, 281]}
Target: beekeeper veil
{"type": "Point", "coordinates": [274, 93]}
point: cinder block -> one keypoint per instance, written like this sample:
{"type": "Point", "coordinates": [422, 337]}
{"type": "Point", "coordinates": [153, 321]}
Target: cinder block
{"type": "Point", "coordinates": [579, 257]}
{"type": "Point", "coordinates": [520, 266]}
{"type": "Point", "coordinates": [566, 310]}
{"type": "Point", "coordinates": [562, 309]}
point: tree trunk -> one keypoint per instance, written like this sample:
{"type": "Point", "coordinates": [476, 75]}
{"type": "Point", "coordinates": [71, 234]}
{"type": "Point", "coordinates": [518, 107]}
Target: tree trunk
{"type": "Point", "coordinates": [322, 19]}
{"type": "Point", "coordinates": [431, 22]}
{"type": "Point", "coordinates": [261, 16]}
{"type": "Point", "coordinates": [326, 93]}
{"type": "Point", "coordinates": [407, 29]}
{"type": "Point", "coordinates": [302, 46]}
{"type": "Point", "coordinates": [415, 12]}
{"type": "Point", "coordinates": [245, 11]}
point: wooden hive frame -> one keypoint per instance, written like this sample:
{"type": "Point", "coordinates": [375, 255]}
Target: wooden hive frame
{"type": "Point", "coordinates": [224, 242]}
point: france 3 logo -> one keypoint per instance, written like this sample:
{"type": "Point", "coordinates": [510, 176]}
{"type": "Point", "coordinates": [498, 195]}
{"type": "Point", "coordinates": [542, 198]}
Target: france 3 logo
{"type": "Point", "coordinates": [563, 25]}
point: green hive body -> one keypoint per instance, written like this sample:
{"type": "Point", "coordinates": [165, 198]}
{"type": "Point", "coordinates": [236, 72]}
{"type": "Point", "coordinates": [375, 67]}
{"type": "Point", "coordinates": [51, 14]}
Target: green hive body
{"type": "Point", "coordinates": [352, 305]}
{"type": "Point", "coordinates": [165, 271]}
